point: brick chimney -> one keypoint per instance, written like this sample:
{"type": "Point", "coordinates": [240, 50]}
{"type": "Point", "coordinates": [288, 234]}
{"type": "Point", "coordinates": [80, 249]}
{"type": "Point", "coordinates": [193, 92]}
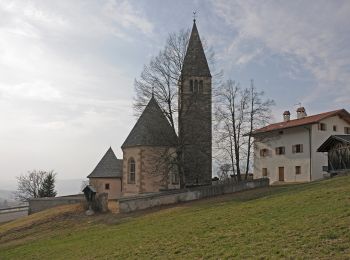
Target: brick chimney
{"type": "Point", "coordinates": [286, 116]}
{"type": "Point", "coordinates": [301, 113]}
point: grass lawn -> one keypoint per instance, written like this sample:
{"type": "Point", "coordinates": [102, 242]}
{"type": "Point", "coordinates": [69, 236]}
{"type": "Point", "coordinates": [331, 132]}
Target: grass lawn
{"type": "Point", "coordinates": [293, 221]}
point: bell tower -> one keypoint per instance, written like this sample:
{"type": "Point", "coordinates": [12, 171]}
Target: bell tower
{"type": "Point", "coordinates": [195, 126]}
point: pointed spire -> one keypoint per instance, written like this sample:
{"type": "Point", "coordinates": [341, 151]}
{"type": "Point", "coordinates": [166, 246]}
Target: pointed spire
{"type": "Point", "coordinates": [195, 62]}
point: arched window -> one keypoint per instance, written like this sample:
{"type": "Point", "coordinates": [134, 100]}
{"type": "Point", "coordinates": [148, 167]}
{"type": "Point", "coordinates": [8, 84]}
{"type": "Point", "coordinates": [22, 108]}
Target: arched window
{"type": "Point", "coordinates": [196, 86]}
{"type": "Point", "coordinates": [131, 170]}
{"type": "Point", "coordinates": [191, 86]}
{"type": "Point", "coordinates": [201, 86]}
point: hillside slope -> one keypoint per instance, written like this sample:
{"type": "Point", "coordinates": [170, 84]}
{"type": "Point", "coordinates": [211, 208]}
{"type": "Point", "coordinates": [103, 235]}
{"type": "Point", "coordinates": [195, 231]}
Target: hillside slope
{"type": "Point", "coordinates": [294, 221]}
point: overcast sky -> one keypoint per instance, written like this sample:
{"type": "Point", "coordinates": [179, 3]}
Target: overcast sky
{"type": "Point", "coordinates": [67, 67]}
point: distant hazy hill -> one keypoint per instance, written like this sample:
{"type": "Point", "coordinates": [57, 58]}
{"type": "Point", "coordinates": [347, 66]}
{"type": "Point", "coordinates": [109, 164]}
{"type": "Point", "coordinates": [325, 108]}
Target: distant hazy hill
{"type": "Point", "coordinates": [7, 195]}
{"type": "Point", "coordinates": [63, 187]}
{"type": "Point", "coordinates": [7, 199]}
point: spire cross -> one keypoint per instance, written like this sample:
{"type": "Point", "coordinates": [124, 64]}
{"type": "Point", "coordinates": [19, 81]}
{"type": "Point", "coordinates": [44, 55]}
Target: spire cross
{"type": "Point", "coordinates": [152, 92]}
{"type": "Point", "coordinates": [194, 16]}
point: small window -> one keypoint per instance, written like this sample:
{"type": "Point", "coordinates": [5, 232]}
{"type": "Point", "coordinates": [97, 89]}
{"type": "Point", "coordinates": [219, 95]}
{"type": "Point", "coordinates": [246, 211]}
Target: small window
{"type": "Point", "coordinates": [264, 152]}
{"type": "Point", "coordinates": [191, 85]}
{"type": "Point", "coordinates": [132, 169]}
{"type": "Point", "coordinates": [280, 150]}
{"type": "Point", "coordinates": [196, 86]}
{"type": "Point", "coordinates": [298, 148]}
{"type": "Point", "coordinates": [264, 172]}
{"type": "Point", "coordinates": [322, 127]}
{"type": "Point", "coordinates": [297, 170]}
{"type": "Point", "coordinates": [334, 128]}
{"type": "Point", "coordinates": [347, 130]}
{"type": "Point", "coordinates": [175, 178]}
{"type": "Point", "coordinates": [107, 186]}
{"type": "Point", "coordinates": [201, 86]}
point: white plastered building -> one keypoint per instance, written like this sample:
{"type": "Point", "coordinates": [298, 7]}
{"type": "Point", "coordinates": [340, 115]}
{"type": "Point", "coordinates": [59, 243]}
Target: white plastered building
{"type": "Point", "coordinates": [287, 151]}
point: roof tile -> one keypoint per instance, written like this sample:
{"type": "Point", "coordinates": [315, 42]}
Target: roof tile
{"type": "Point", "coordinates": [304, 121]}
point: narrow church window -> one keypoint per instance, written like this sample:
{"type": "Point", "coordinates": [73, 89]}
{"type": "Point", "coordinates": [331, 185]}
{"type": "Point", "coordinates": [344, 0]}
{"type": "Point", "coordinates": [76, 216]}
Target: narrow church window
{"type": "Point", "coordinates": [201, 86]}
{"type": "Point", "coordinates": [107, 186]}
{"type": "Point", "coordinates": [131, 175]}
{"type": "Point", "coordinates": [196, 86]}
{"type": "Point", "coordinates": [191, 85]}
{"type": "Point", "coordinates": [175, 178]}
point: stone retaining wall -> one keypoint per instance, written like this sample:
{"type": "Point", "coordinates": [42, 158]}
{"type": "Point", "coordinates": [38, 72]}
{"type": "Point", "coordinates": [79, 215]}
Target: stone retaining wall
{"type": "Point", "coordinates": [40, 204]}
{"type": "Point", "coordinates": [144, 201]}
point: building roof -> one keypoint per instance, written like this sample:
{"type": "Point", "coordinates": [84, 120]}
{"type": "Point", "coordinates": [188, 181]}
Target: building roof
{"type": "Point", "coordinates": [342, 113]}
{"type": "Point", "coordinates": [195, 62]}
{"type": "Point", "coordinates": [151, 129]}
{"type": "Point", "coordinates": [108, 167]}
{"type": "Point", "coordinates": [333, 139]}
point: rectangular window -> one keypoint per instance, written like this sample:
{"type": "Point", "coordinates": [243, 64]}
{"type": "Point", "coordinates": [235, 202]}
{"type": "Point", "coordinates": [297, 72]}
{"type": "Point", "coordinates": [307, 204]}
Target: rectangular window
{"type": "Point", "coordinates": [334, 128]}
{"type": "Point", "coordinates": [264, 172]}
{"type": "Point", "coordinates": [347, 130]}
{"type": "Point", "coordinates": [298, 148]}
{"type": "Point", "coordinates": [322, 127]}
{"type": "Point", "coordinates": [107, 186]}
{"type": "Point", "coordinates": [280, 150]}
{"type": "Point", "coordinates": [297, 169]}
{"type": "Point", "coordinates": [264, 152]}
{"type": "Point", "coordinates": [175, 178]}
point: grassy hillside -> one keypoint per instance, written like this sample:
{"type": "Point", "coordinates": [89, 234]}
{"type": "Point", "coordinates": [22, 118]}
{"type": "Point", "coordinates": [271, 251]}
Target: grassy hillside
{"type": "Point", "coordinates": [294, 221]}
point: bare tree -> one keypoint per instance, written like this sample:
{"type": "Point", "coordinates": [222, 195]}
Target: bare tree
{"type": "Point", "coordinates": [31, 184]}
{"type": "Point", "coordinates": [230, 113]}
{"type": "Point", "coordinates": [259, 115]}
{"type": "Point", "coordinates": [238, 112]}
{"type": "Point", "coordinates": [161, 77]}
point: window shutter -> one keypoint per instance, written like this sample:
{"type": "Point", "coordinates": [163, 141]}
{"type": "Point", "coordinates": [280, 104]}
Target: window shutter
{"type": "Point", "coordinates": [283, 150]}
{"type": "Point", "coordinates": [301, 148]}
{"type": "Point", "coordinates": [294, 148]}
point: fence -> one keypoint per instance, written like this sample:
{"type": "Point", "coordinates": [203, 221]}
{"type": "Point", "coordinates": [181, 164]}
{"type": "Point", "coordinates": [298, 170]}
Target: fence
{"type": "Point", "coordinates": [40, 204]}
{"type": "Point", "coordinates": [144, 201]}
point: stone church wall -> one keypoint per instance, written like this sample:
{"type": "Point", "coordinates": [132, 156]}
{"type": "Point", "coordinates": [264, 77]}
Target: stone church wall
{"type": "Point", "coordinates": [150, 170]}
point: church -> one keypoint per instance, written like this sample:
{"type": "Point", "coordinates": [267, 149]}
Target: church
{"type": "Point", "coordinates": [152, 146]}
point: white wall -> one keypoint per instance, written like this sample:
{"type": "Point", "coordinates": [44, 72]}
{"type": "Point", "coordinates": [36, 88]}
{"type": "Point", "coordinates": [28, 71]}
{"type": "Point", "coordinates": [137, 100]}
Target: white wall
{"type": "Point", "coordinates": [290, 137]}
